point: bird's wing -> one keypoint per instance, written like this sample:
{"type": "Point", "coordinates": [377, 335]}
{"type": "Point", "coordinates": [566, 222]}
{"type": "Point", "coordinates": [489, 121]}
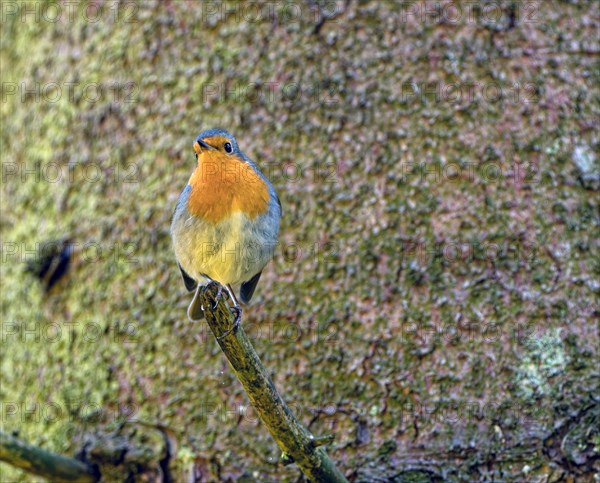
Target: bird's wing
{"type": "Point", "coordinates": [190, 283]}
{"type": "Point", "coordinates": [247, 288]}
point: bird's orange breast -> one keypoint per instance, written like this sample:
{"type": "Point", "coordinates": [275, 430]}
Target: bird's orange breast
{"type": "Point", "coordinates": [222, 185]}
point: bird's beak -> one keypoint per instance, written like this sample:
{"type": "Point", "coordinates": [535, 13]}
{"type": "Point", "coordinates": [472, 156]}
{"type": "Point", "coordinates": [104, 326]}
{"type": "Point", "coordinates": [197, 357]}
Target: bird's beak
{"type": "Point", "coordinates": [199, 145]}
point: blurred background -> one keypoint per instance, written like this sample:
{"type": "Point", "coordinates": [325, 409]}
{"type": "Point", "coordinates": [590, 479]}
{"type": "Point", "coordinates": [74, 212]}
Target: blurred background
{"type": "Point", "coordinates": [434, 298]}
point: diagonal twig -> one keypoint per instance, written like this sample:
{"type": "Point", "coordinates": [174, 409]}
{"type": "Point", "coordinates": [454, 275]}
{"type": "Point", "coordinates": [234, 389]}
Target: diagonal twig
{"type": "Point", "coordinates": [294, 440]}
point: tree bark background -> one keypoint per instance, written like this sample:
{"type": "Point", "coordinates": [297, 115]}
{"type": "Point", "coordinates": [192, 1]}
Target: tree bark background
{"type": "Point", "coordinates": [433, 300]}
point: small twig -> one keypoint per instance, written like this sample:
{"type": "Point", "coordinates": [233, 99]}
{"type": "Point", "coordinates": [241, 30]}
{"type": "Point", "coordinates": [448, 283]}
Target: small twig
{"type": "Point", "coordinates": [294, 440]}
{"type": "Point", "coordinates": [322, 440]}
{"type": "Point", "coordinates": [40, 462]}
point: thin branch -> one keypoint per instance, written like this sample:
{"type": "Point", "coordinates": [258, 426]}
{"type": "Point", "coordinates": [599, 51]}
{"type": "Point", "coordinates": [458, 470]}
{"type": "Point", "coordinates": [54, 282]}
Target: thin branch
{"type": "Point", "coordinates": [54, 467]}
{"type": "Point", "coordinates": [294, 440]}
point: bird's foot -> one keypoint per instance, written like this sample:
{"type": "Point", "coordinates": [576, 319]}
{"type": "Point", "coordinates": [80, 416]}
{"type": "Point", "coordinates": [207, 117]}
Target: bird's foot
{"type": "Point", "coordinates": [208, 286]}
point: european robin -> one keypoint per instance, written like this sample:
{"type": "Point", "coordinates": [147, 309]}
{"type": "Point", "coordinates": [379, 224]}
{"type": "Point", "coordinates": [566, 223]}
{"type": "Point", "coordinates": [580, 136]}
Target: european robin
{"type": "Point", "coordinates": [226, 222]}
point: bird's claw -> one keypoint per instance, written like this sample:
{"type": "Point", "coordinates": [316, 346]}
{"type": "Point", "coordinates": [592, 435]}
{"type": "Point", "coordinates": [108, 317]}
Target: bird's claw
{"type": "Point", "coordinates": [236, 322]}
{"type": "Point", "coordinates": [195, 315]}
{"type": "Point", "coordinates": [238, 315]}
{"type": "Point", "coordinates": [218, 296]}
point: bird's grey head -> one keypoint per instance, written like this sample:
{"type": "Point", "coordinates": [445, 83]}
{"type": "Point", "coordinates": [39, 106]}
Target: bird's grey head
{"type": "Point", "coordinates": [217, 139]}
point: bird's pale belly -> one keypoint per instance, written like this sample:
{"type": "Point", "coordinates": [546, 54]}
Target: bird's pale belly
{"type": "Point", "coordinates": [230, 252]}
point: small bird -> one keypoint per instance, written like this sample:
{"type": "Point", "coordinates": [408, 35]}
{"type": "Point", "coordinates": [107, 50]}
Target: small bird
{"type": "Point", "coordinates": [226, 223]}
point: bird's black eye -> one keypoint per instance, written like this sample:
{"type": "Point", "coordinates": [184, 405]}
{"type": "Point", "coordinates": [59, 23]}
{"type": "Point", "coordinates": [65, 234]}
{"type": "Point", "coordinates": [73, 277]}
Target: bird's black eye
{"type": "Point", "coordinates": [228, 148]}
